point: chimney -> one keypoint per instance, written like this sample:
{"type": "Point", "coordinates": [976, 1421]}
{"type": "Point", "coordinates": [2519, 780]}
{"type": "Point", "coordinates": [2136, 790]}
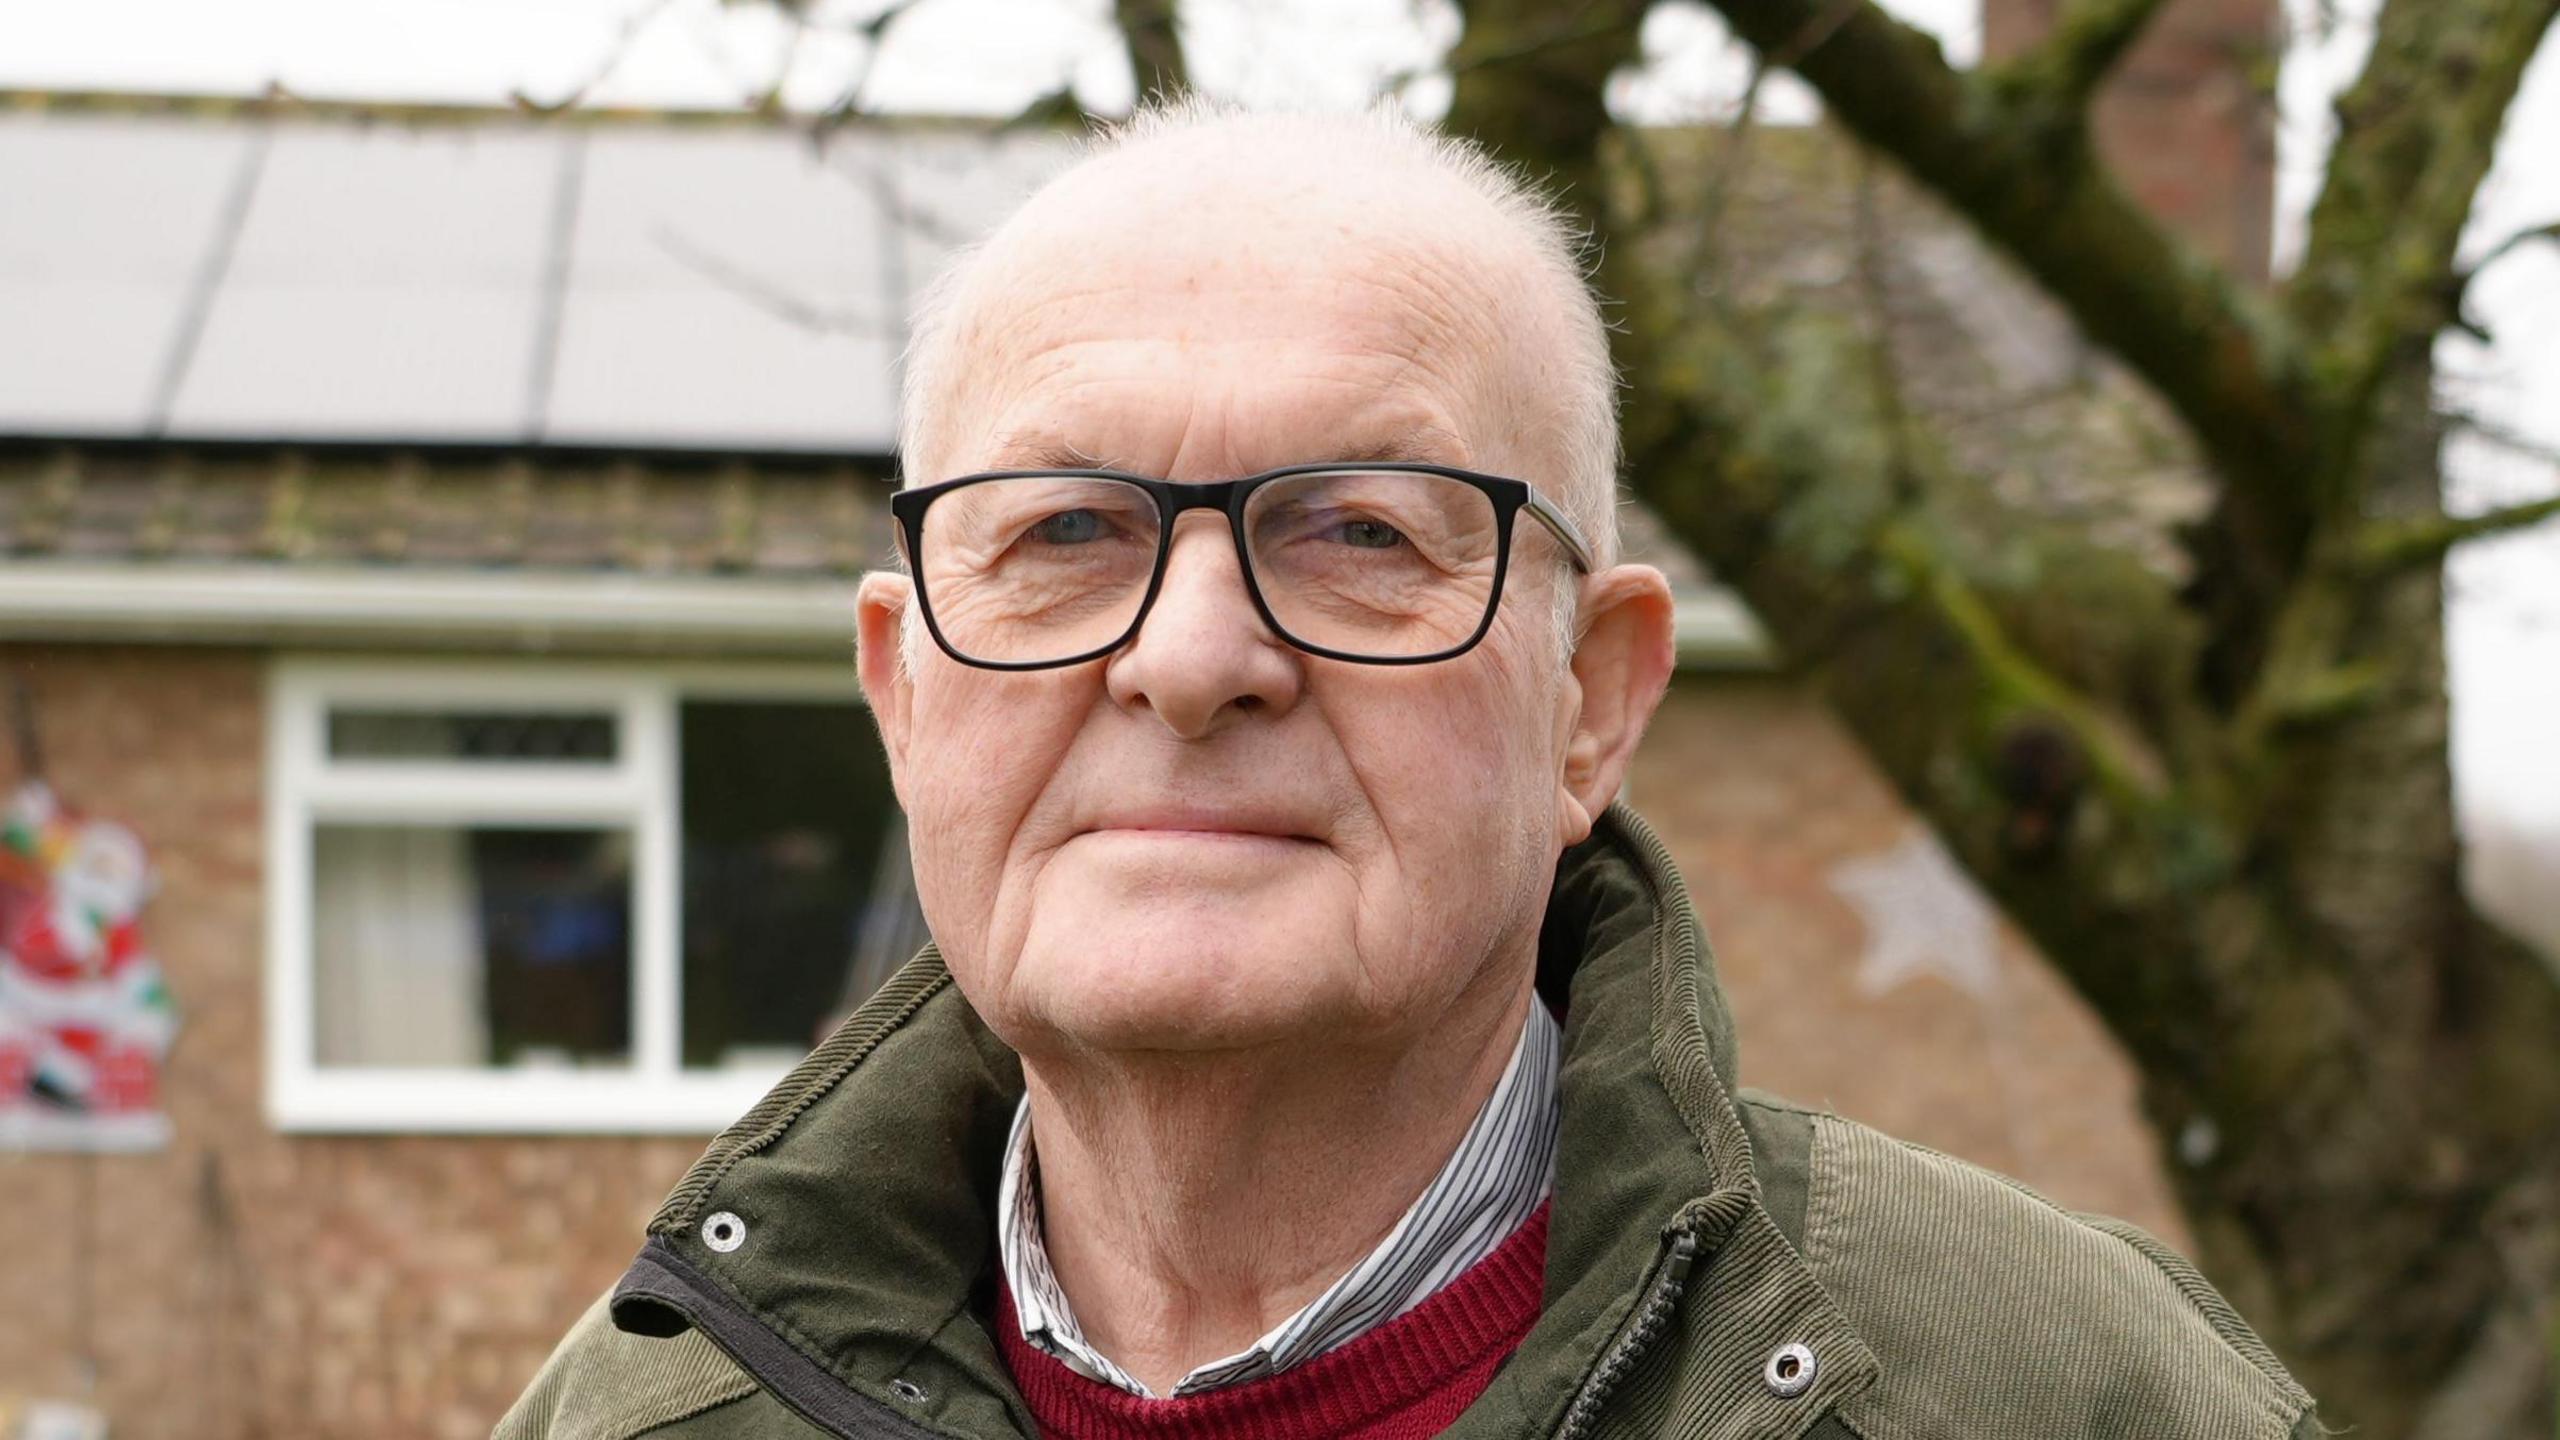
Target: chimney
{"type": "Point", "coordinates": [2186, 123]}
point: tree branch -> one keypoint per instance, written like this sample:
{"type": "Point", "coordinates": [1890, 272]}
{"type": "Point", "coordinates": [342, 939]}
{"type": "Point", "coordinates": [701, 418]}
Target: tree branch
{"type": "Point", "coordinates": [775, 300]}
{"type": "Point", "coordinates": [2504, 437]}
{"type": "Point", "coordinates": [1825, 525]}
{"type": "Point", "coordinates": [2088, 40]}
{"type": "Point", "coordinates": [1533, 45]}
{"type": "Point", "coordinates": [2417, 133]}
{"type": "Point", "coordinates": [625, 35]}
{"type": "Point", "coordinates": [2384, 546]}
{"type": "Point", "coordinates": [1150, 30]}
{"type": "Point", "coordinates": [768, 101]}
{"type": "Point", "coordinates": [2462, 281]}
{"type": "Point", "coordinates": [873, 30]}
{"type": "Point", "coordinates": [2031, 181]}
{"type": "Point", "coordinates": [2515, 242]}
{"type": "Point", "coordinates": [1717, 195]}
{"type": "Point", "coordinates": [1875, 297]}
{"type": "Point", "coordinates": [1549, 62]}
{"type": "Point", "coordinates": [2127, 770]}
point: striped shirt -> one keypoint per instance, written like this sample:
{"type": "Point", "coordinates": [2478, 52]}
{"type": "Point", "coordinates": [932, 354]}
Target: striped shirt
{"type": "Point", "coordinates": [1502, 1170]}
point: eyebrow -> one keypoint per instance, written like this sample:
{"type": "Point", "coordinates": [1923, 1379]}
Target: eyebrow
{"type": "Point", "coordinates": [1024, 453]}
{"type": "Point", "coordinates": [1411, 446]}
{"type": "Point", "coordinates": [1416, 445]}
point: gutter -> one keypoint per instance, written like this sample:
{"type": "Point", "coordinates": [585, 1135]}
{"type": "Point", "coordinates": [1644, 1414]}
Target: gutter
{"type": "Point", "coordinates": [1712, 630]}
{"type": "Point", "coordinates": [421, 608]}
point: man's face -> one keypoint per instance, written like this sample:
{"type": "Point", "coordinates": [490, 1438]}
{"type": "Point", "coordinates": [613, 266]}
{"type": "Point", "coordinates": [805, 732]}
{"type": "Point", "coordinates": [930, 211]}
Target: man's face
{"type": "Point", "coordinates": [1210, 840]}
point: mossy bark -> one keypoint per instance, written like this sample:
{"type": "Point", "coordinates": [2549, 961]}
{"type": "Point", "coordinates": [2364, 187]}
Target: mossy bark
{"type": "Point", "coordinates": [2229, 822]}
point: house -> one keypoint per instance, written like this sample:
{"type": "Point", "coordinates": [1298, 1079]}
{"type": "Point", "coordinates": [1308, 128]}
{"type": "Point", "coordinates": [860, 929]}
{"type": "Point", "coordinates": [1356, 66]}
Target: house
{"type": "Point", "coordinates": [427, 537]}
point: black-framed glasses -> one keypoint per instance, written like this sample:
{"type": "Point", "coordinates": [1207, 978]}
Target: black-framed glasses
{"type": "Point", "coordinates": [1391, 563]}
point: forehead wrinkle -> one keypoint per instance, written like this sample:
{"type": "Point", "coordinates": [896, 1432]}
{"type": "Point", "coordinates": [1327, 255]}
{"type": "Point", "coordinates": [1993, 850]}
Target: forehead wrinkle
{"type": "Point", "coordinates": [1415, 331]}
{"type": "Point", "coordinates": [1042, 392]}
{"type": "Point", "coordinates": [1373, 423]}
{"type": "Point", "coordinates": [1447, 295]}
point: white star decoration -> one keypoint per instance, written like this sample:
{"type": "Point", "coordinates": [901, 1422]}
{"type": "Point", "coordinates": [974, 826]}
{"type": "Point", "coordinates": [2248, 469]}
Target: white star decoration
{"type": "Point", "coordinates": [1923, 917]}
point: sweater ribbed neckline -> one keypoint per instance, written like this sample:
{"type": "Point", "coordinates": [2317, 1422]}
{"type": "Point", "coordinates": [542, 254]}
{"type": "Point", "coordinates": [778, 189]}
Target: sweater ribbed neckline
{"type": "Point", "coordinates": [1405, 1380]}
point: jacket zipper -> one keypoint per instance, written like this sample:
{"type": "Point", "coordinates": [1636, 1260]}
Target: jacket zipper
{"type": "Point", "coordinates": [1652, 1317]}
{"type": "Point", "coordinates": [664, 1278]}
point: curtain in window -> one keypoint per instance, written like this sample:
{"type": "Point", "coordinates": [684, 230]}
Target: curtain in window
{"type": "Point", "coordinates": [398, 949]}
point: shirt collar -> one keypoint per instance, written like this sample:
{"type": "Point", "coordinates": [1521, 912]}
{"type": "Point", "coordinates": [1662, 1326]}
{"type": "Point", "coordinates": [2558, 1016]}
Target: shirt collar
{"type": "Point", "coordinates": [1502, 1169]}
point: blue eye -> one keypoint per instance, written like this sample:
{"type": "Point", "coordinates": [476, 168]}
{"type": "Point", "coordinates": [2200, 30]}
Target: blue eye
{"type": "Point", "coordinates": [1370, 534]}
{"type": "Point", "coordinates": [1069, 527]}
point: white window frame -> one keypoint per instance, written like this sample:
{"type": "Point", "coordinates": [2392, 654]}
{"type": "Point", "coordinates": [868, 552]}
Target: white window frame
{"type": "Point", "coordinates": [641, 789]}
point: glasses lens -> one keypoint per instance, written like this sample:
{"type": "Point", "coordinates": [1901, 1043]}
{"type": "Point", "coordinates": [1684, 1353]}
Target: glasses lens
{"type": "Point", "coordinates": [1383, 563]}
{"type": "Point", "coordinates": [1037, 568]}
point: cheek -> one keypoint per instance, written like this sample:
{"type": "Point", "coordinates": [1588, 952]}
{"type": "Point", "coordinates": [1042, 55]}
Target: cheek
{"type": "Point", "coordinates": [1485, 726]}
{"type": "Point", "coordinates": [982, 747]}
{"type": "Point", "coordinates": [1462, 774]}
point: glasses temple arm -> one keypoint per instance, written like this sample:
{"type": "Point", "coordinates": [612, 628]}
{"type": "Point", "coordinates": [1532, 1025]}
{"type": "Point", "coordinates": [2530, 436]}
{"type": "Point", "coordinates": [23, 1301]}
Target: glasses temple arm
{"type": "Point", "coordinates": [1564, 529]}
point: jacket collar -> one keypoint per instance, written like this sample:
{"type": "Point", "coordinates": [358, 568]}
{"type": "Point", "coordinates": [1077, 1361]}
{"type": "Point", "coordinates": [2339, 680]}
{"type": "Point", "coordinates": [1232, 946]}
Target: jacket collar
{"type": "Point", "coordinates": [855, 1274]}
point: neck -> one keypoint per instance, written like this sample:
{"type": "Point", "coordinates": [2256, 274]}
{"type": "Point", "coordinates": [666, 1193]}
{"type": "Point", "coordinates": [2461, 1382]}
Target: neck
{"type": "Point", "coordinates": [1189, 1203]}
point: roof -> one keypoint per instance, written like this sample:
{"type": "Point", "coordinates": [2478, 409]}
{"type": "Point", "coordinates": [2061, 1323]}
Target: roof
{"type": "Point", "coordinates": [570, 511]}
{"type": "Point", "coordinates": [438, 276]}
{"type": "Point", "coordinates": [597, 551]}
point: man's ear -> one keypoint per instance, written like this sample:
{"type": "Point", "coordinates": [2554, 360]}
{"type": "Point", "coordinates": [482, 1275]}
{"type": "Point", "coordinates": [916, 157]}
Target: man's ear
{"type": "Point", "coordinates": [1621, 667]}
{"type": "Point", "coordinates": [880, 609]}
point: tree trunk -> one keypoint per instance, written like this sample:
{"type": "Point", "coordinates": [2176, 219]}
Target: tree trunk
{"type": "Point", "coordinates": [2355, 1076]}
{"type": "Point", "coordinates": [2386, 1170]}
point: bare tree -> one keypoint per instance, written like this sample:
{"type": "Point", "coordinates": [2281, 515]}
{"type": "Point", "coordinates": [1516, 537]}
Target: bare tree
{"type": "Point", "coordinates": [2221, 804]}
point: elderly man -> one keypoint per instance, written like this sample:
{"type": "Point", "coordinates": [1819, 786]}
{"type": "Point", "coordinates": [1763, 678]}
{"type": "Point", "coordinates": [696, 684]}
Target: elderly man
{"type": "Point", "coordinates": [1308, 1047]}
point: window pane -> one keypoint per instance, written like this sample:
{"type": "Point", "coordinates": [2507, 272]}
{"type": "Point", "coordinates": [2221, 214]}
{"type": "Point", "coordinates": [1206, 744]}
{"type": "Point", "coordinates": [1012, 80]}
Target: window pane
{"type": "Point", "coordinates": [453, 946]}
{"type": "Point", "coordinates": [584, 737]}
{"type": "Point", "coordinates": [797, 896]}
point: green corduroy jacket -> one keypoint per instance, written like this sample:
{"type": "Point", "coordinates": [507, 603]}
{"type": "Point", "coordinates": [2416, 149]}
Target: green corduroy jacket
{"type": "Point", "coordinates": [1721, 1264]}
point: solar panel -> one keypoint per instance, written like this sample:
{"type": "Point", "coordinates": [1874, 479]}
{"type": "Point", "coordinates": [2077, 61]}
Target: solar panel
{"type": "Point", "coordinates": [725, 288]}
{"type": "Point", "coordinates": [478, 280]}
{"type": "Point", "coordinates": [385, 284]}
{"type": "Point", "coordinates": [104, 224]}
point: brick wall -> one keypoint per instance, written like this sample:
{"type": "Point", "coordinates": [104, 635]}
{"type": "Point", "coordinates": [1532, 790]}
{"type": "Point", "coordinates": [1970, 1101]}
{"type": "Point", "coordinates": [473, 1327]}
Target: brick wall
{"type": "Point", "coordinates": [1759, 793]}
{"type": "Point", "coordinates": [241, 1283]}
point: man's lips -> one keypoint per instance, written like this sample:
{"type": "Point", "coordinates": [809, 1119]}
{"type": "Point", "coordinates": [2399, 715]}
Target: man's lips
{"type": "Point", "coordinates": [1203, 825]}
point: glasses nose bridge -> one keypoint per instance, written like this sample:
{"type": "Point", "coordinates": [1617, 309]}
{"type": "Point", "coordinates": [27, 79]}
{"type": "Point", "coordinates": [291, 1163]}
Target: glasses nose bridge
{"type": "Point", "coordinates": [1177, 498]}
{"type": "Point", "coordinates": [1218, 502]}
{"type": "Point", "coordinates": [1202, 514]}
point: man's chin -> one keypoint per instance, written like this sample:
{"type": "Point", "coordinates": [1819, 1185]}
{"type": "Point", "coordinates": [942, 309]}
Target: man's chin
{"type": "Point", "coordinates": [1143, 1026]}
{"type": "Point", "coordinates": [1164, 945]}
{"type": "Point", "coordinates": [1128, 992]}
{"type": "Point", "coordinates": [1181, 893]}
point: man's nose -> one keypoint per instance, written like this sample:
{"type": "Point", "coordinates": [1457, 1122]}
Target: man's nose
{"type": "Point", "coordinates": [1204, 660]}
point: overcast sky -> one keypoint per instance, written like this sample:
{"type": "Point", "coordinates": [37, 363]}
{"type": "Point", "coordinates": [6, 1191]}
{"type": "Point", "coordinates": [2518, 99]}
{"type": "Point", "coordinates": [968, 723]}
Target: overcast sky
{"type": "Point", "coordinates": [988, 56]}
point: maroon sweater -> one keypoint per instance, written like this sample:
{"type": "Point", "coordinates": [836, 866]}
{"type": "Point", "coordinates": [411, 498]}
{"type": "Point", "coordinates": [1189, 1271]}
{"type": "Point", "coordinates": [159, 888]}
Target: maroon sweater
{"type": "Point", "coordinates": [1404, 1380]}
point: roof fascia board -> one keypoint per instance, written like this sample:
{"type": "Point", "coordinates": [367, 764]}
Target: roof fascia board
{"type": "Point", "coordinates": [1711, 629]}
{"type": "Point", "coordinates": [538, 611]}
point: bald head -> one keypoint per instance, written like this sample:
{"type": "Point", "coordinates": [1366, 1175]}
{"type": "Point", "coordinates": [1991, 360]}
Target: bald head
{"type": "Point", "coordinates": [1429, 263]}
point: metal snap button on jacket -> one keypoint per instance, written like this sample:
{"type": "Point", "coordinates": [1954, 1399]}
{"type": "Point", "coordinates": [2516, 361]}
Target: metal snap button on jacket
{"type": "Point", "coordinates": [724, 1232]}
{"type": "Point", "coordinates": [1789, 1372]}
